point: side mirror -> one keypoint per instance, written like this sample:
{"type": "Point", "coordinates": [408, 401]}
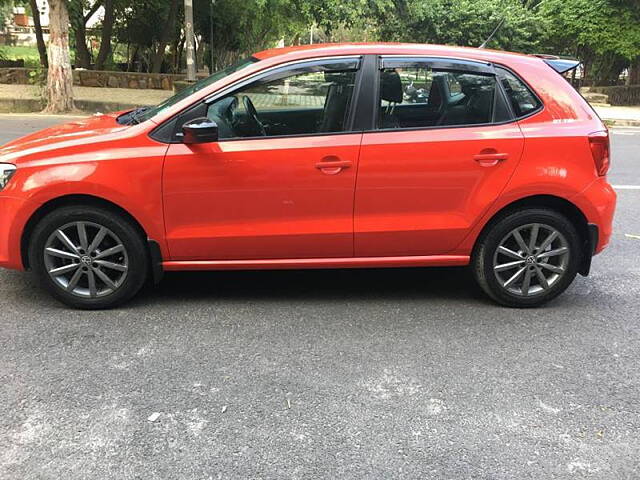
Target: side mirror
{"type": "Point", "coordinates": [200, 130]}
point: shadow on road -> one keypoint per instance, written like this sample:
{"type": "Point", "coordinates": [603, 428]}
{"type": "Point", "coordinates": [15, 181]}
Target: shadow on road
{"type": "Point", "coordinates": [405, 283]}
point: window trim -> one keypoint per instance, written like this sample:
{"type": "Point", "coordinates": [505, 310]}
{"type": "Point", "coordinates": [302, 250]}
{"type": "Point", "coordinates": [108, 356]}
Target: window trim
{"type": "Point", "coordinates": [177, 118]}
{"type": "Point", "coordinates": [440, 63]}
{"type": "Point", "coordinates": [443, 63]}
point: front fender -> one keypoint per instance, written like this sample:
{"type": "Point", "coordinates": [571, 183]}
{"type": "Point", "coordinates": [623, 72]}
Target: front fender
{"type": "Point", "coordinates": [130, 178]}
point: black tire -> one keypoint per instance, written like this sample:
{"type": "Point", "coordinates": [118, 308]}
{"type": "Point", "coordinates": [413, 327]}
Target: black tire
{"type": "Point", "coordinates": [129, 236]}
{"type": "Point", "coordinates": [485, 252]}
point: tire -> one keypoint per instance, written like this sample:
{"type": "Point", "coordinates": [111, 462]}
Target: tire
{"type": "Point", "coordinates": [110, 269]}
{"type": "Point", "coordinates": [500, 257]}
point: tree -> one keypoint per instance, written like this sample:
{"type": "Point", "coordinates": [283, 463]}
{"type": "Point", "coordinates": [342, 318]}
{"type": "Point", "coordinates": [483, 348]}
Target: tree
{"type": "Point", "coordinates": [460, 22]}
{"type": "Point", "coordinates": [60, 76]}
{"type": "Point", "coordinates": [42, 47]}
{"type": "Point", "coordinates": [165, 37]}
{"type": "Point", "coordinates": [143, 26]}
{"type": "Point", "coordinates": [604, 34]}
{"type": "Point", "coordinates": [80, 12]}
{"type": "Point", "coordinates": [107, 33]}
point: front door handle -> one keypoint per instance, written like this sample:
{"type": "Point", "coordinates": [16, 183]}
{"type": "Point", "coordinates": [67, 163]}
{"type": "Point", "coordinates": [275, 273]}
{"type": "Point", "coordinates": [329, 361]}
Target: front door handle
{"type": "Point", "coordinates": [490, 159]}
{"type": "Point", "coordinates": [332, 166]}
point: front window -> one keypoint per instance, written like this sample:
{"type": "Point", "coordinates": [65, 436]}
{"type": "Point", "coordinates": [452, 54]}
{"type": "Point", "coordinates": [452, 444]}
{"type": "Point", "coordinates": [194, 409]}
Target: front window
{"type": "Point", "coordinates": [304, 100]}
{"type": "Point", "coordinates": [146, 113]}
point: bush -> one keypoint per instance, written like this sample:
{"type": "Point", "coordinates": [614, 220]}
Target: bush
{"type": "Point", "coordinates": [620, 95]}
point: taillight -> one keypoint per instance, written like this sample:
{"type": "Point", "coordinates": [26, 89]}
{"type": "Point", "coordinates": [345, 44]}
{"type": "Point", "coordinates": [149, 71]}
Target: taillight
{"type": "Point", "coordinates": [599, 143]}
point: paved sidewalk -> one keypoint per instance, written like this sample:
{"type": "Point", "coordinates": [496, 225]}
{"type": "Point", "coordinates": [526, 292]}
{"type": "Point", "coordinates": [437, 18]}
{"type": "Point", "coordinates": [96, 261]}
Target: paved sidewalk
{"type": "Point", "coordinates": [28, 98]}
{"type": "Point", "coordinates": [621, 116]}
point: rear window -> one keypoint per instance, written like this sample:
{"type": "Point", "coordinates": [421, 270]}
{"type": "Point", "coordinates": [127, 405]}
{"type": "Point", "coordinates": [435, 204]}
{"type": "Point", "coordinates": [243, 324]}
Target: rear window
{"type": "Point", "coordinates": [522, 99]}
{"type": "Point", "coordinates": [419, 96]}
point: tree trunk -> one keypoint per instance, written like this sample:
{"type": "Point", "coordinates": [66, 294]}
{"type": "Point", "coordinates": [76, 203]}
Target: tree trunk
{"type": "Point", "coordinates": [132, 58]}
{"type": "Point", "coordinates": [79, 27]}
{"type": "Point", "coordinates": [42, 47]}
{"type": "Point", "coordinates": [168, 30]}
{"type": "Point", "coordinates": [83, 56]}
{"type": "Point", "coordinates": [60, 77]}
{"type": "Point", "coordinates": [79, 32]}
{"type": "Point", "coordinates": [105, 38]}
{"type": "Point", "coordinates": [634, 72]}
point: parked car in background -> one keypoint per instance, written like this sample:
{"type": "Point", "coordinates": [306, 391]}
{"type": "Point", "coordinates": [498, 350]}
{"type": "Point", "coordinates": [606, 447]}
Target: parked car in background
{"type": "Point", "coordinates": [370, 155]}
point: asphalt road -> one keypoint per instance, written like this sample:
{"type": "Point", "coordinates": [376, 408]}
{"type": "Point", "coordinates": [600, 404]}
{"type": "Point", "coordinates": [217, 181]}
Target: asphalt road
{"type": "Point", "coordinates": [334, 374]}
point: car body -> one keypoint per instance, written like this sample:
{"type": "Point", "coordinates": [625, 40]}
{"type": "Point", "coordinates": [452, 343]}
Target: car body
{"type": "Point", "coordinates": [360, 172]}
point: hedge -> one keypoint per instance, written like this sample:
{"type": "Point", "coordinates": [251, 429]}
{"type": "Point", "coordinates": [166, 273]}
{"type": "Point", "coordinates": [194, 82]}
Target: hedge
{"type": "Point", "coordinates": [620, 95]}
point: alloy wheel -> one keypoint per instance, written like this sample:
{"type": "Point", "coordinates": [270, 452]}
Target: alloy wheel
{"type": "Point", "coordinates": [86, 259]}
{"type": "Point", "coordinates": [531, 259]}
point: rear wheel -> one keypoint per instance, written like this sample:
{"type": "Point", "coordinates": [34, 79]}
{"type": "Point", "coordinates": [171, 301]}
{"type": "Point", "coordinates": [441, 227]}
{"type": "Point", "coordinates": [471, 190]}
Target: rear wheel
{"type": "Point", "coordinates": [88, 257]}
{"type": "Point", "coordinates": [528, 257]}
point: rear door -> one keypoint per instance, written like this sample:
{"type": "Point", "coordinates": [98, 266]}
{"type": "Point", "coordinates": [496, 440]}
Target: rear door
{"type": "Point", "coordinates": [425, 180]}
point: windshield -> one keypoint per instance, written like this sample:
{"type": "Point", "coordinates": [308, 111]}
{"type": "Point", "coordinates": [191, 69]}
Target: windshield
{"type": "Point", "coordinates": [142, 114]}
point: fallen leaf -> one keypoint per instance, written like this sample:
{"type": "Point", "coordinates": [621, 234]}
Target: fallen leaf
{"type": "Point", "coordinates": [153, 417]}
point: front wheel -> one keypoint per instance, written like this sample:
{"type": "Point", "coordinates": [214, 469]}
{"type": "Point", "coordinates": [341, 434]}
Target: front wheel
{"type": "Point", "coordinates": [89, 258]}
{"type": "Point", "coordinates": [528, 257]}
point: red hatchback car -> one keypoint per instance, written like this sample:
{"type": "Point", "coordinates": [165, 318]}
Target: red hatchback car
{"type": "Point", "coordinates": [331, 156]}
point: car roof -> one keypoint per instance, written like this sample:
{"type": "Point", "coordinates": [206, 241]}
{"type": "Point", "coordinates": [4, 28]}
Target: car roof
{"type": "Point", "coordinates": [335, 49]}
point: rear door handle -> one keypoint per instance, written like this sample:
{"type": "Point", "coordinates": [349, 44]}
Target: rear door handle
{"type": "Point", "coordinates": [490, 159]}
{"type": "Point", "coordinates": [332, 167]}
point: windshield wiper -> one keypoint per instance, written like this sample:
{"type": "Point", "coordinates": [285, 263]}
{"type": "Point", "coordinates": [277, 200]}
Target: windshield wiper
{"type": "Point", "coordinates": [134, 114]}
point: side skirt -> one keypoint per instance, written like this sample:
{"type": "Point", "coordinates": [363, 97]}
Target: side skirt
{"type": "Point", "coordinates": [319, 263]}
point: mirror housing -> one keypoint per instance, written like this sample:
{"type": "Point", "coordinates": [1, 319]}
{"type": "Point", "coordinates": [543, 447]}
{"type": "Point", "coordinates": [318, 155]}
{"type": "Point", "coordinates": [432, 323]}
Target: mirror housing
{"type": "Point", "coordinates": [200, 130]}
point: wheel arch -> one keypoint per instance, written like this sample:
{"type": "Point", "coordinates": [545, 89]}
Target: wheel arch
{"type": "Point", "coordinates": [68, 200]}
{"type": "Point", "coordinates": [558, 204]}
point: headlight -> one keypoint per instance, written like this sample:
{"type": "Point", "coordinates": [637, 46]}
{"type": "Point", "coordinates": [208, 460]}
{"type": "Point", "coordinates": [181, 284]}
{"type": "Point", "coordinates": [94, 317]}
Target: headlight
{"type": "Point", "coordinates": [6, 172]}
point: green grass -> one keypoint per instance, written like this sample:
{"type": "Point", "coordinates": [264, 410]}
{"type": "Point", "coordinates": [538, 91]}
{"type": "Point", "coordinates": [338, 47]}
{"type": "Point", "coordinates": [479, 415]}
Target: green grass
{"type": "Point", "coordinates": [29, 54]}
{"type": "Point", "coordinates": [32, 58]}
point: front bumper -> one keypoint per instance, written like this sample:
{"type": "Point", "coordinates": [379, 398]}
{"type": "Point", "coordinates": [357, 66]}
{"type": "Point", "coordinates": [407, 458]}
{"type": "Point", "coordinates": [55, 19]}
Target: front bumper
{"type": "Point", "coordinates": [13, 217]}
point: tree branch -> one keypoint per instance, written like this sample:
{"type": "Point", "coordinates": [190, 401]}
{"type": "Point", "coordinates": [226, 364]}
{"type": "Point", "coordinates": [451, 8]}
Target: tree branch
{"type": "Point", "coordinates": [92, 11]}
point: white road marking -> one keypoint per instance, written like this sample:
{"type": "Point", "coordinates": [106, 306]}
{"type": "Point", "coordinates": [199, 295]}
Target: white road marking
{"type": "Point", "coordinates": [626, 187]}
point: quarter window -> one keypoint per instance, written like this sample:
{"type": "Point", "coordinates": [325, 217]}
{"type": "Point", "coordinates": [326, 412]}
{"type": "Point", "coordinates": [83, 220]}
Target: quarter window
{"type": "Point", "coordinates": [420, 97]}
{"type": "Point", "coordinates": [304, 100]}
{"type": "Point", "coordinates": [523, 101]}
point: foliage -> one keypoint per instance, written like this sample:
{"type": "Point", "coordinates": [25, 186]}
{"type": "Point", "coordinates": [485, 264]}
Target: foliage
{"type": "Point", "coordinates": [148, 34]}
{"type": "Point", "coordinates": [463, 22]}
{"type": "Point", "coordinates": [605, 34]}
{"type": "Point", "coordinates": [620, 95]}
{"type": "Point", "coordinates": [28, 54]}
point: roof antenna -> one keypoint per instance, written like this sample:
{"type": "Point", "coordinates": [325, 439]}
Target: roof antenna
{"type": "Point", "coordinates": [495, 30]}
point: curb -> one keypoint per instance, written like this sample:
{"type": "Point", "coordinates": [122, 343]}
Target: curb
{"type": "Point", "coordinates": [610, 122]}
{"type": "Point", "coordinates": [34, 105]}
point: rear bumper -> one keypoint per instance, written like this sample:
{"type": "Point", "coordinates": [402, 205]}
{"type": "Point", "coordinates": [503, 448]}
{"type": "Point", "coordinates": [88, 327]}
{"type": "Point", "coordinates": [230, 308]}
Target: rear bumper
{"type": "Point", "coordinates": [598, 203]}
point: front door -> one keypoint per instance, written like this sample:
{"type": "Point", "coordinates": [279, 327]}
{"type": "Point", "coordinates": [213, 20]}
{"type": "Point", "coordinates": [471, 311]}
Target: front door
{"type": "Point", "coordinates": [279, 183]}
{"type": "Point", "coordinates": [443, 151]}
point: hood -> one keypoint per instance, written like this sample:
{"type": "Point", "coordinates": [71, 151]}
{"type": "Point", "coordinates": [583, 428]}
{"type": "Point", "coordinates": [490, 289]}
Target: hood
{"type": "Point", "coordinates": [70, 134]}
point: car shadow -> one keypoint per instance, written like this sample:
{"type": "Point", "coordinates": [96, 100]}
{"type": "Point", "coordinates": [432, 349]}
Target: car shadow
{"type": "Point", "coordinates": [398, 283]}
